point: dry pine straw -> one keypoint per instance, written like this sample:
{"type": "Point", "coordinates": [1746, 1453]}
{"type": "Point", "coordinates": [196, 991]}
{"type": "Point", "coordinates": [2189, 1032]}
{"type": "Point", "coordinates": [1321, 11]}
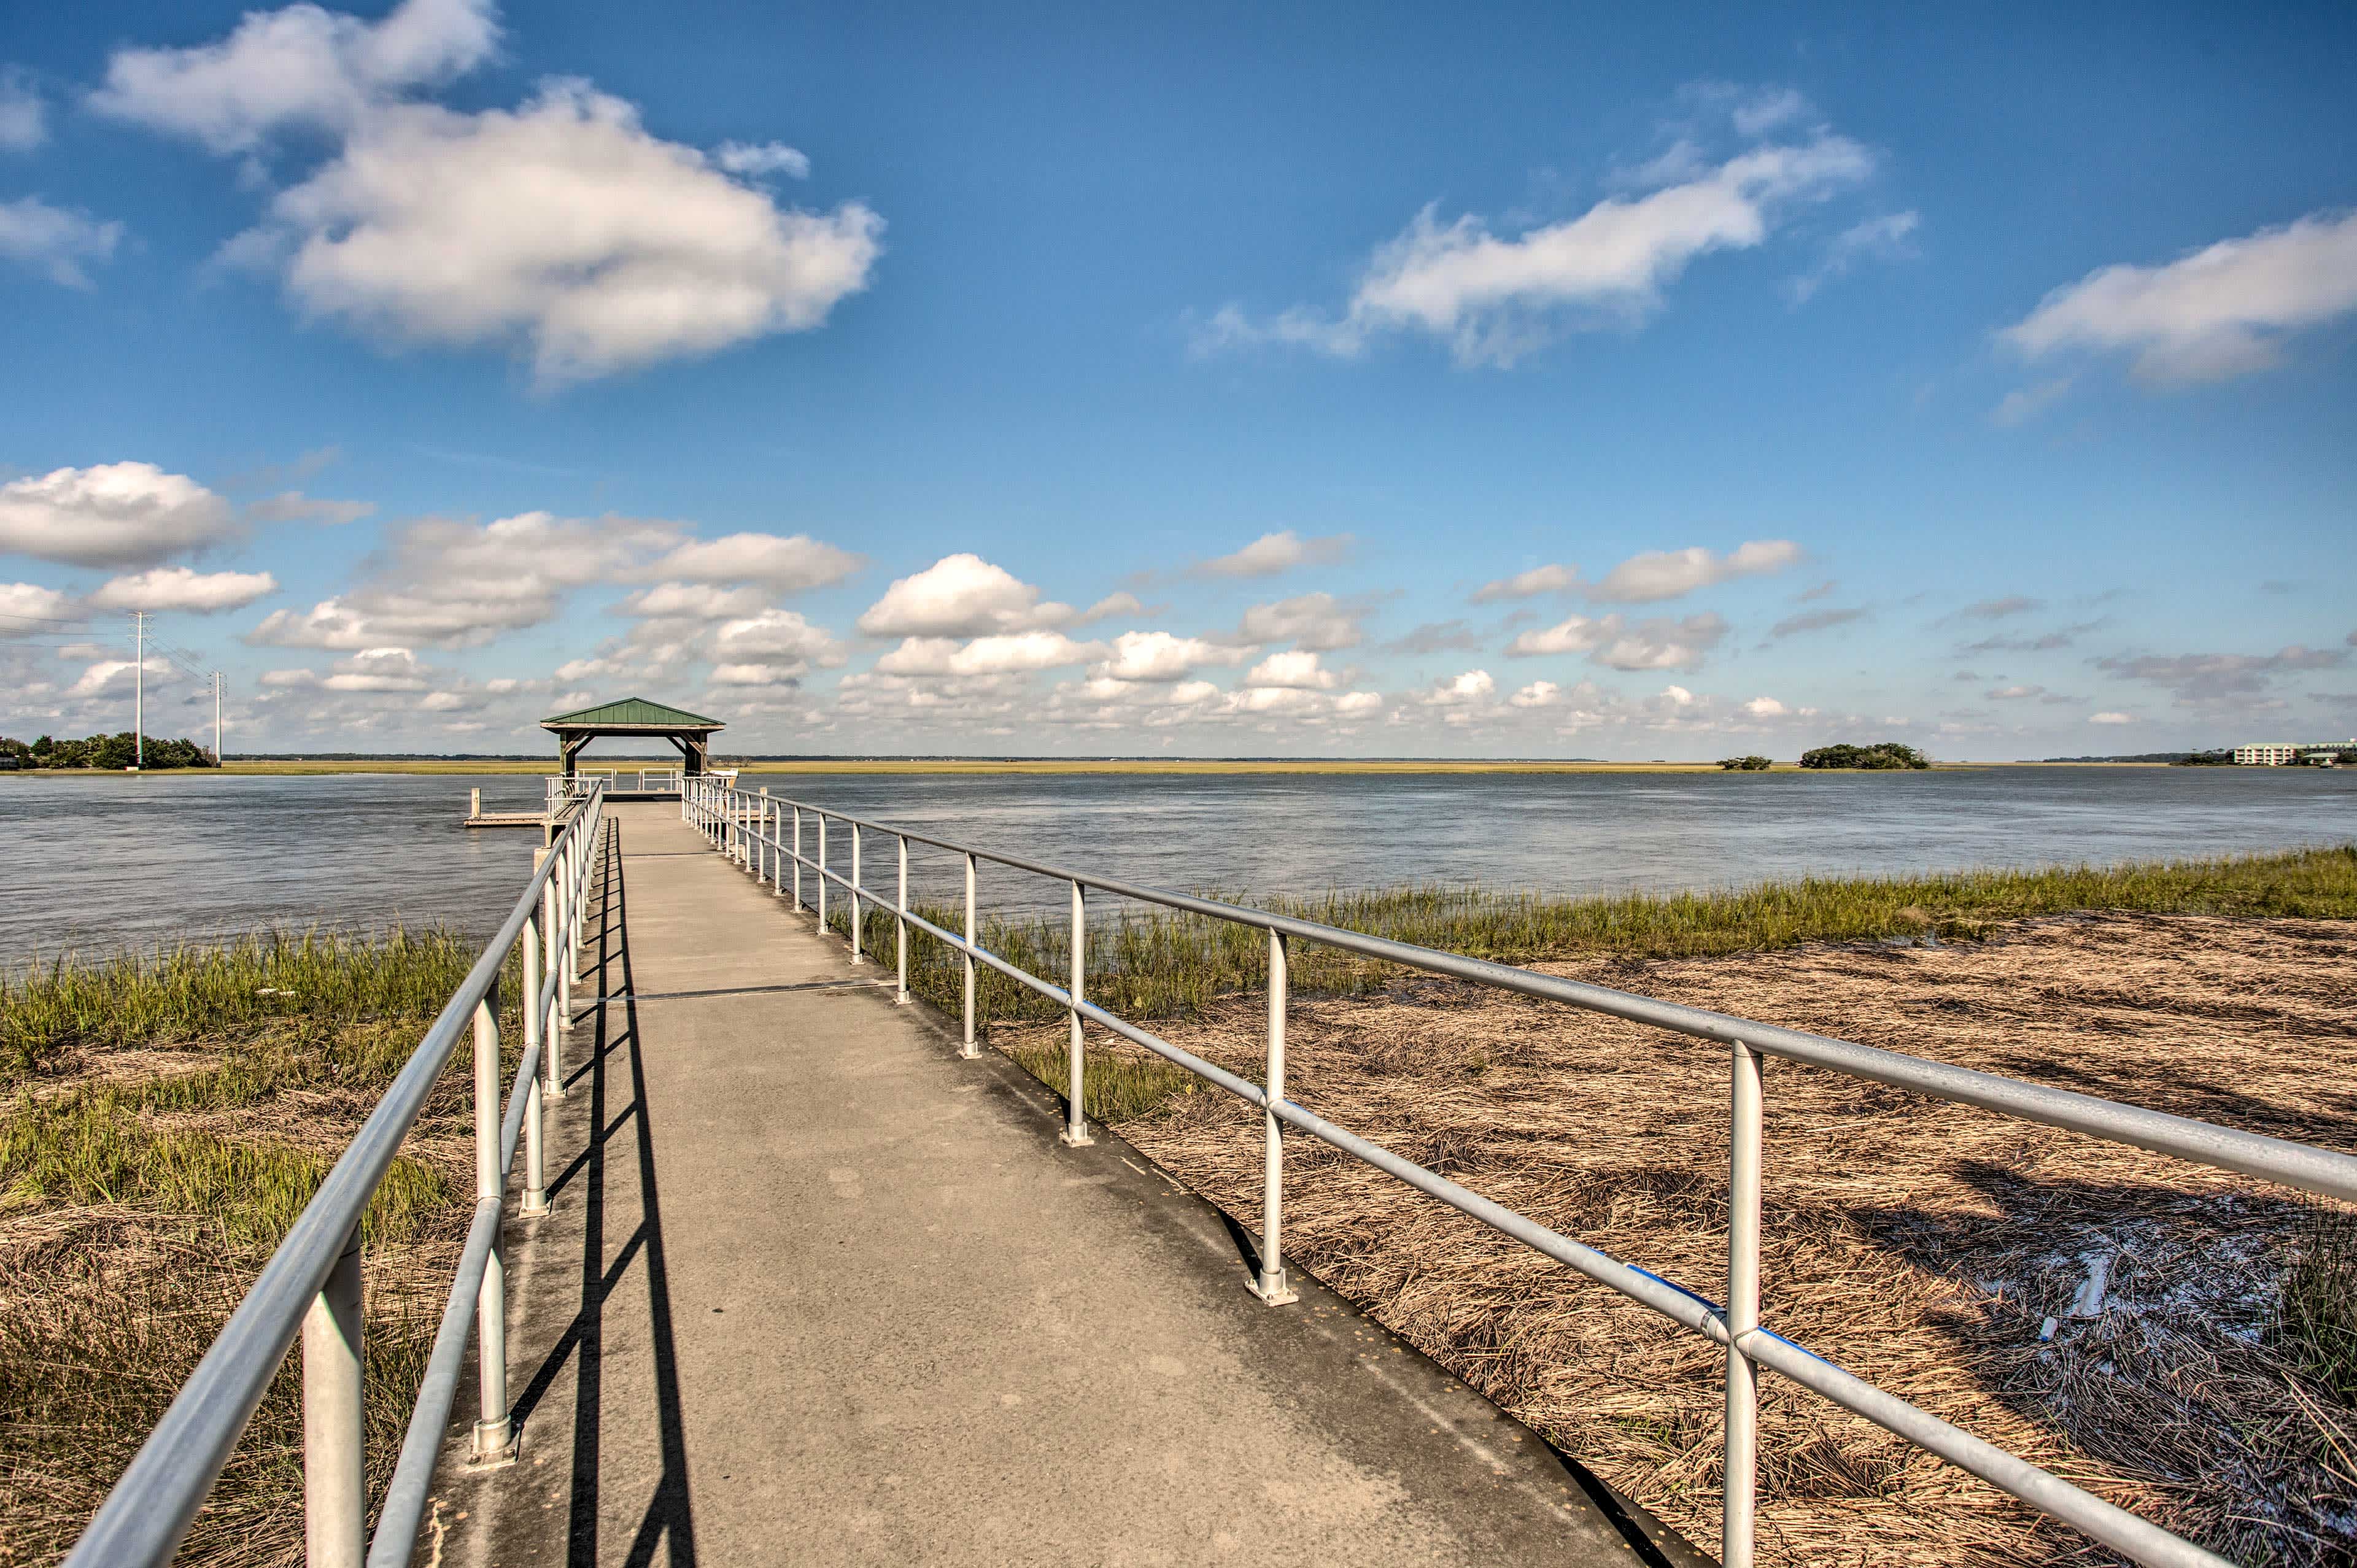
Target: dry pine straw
{"type": "Point", "coordinates": [1918, 1243]}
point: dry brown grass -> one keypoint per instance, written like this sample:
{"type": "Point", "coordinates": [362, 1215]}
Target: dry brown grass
{"type": "Point", "coordinates": [144, 1181]}
{"type": "Point", "coordinates": [1919, 1244]}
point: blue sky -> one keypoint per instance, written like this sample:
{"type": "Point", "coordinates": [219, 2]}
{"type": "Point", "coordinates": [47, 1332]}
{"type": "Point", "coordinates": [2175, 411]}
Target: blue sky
{"type": "Point", "coordinates": [1501, 381]}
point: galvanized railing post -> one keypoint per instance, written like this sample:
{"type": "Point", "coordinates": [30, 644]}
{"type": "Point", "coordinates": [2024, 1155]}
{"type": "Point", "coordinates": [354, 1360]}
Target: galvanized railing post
{"type": "Point", "coordinates": [551, 1054]}
{"type": "Point", "coordinates": [969, 1049]}
{"type": "Point", "coordinates": [534, 1021]}
{"type": "Point", "coordinates": [762, 865]}
{"type": "Point", "coordinates": [901, 921]}
{"type": "Point", "coordinates": [335, 1475]}
{"type": "Point", "coordinates": [1076, 1119]}
{"type": "Point", "coordinates": [1272, 1286]}
{"type": "Point", "coordinates": [493, 1429]}
{"type": "Point", "coordinates": [797, 860]}
{"type": "Point", "coordinates": [535, 1155]}
{"type": "Point", "coordinates": [822, 873]}
{"type": "Point", "coordinates": [1739, 1494]}
{"type": "Point", "coordinates": [565, 919]}
{"type": "Point", "coordinates": [858, 907]}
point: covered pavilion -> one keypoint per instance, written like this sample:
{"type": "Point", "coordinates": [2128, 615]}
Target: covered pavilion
{"type": "Point", "coordinates": [635, 717]}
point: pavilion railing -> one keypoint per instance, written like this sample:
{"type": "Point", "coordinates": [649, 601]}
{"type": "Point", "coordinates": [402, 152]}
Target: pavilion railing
{"type": "Point", "coordinates": [311, 1285]}
{"type": "Point", "coordinates": [769, 836]}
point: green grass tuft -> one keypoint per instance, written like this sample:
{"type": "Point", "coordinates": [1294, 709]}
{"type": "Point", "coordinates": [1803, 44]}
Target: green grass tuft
{"type": "Point", "coordinates": [2317, 1311]}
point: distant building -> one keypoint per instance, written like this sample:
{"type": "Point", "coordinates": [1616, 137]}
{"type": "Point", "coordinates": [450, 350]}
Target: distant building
{"type": "Point", "coordinates": [2275, 755]}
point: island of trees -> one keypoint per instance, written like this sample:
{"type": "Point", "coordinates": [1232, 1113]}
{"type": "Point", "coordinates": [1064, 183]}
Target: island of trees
{"type": "Point", "coordinates": [1882, 756]}
{"type": "Point", "coordinates": [105, 753]}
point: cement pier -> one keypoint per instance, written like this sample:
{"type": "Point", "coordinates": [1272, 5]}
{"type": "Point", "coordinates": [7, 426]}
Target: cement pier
{"type": "Point", "coordinates": [816, 1290]}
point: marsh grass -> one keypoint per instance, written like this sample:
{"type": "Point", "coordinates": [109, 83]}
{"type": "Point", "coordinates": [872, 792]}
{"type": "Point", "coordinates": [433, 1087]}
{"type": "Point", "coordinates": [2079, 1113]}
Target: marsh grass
{"type": "Point", "coordinates": [164, 1119]}
{"type": "Point", "coordinates": [1150, 964]}
{"type": "Point", "coordinates": [2317, 1310]}
{"type": "Point", "coordinates": [190, 994]}
{"type": "Point", "coordinates": [91, 1147]}
{"type": "Point", "coordinates": [1118, 1084]}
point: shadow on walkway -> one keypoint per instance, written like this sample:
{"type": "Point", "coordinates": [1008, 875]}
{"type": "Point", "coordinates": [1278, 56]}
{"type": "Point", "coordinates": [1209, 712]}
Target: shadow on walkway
{"type": "Point", "coordinates": [669, 1521]}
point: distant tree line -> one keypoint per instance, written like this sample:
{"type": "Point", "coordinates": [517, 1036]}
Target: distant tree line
{"type": "Point", "coordinates": [107, 753]}
{"type": "Point", "coordinates": [1752, 764]}
{"type": "Point", "coordinates": [1882, 756]}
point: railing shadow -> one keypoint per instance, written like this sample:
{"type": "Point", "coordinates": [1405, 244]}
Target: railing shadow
{"type": "Point", "coordinates": [668, 1522]}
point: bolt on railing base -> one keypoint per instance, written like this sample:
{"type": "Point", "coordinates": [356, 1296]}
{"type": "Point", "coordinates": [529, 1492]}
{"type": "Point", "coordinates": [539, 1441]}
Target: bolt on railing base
{"type": "Point", "coordinates": [1273, 1291]}
{"type": "Point", "coordinates": [496, 1445]}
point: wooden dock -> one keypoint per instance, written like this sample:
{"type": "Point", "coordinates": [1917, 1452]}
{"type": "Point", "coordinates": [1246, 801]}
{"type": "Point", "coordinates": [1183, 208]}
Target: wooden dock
{"type": "Point", "coordinates": [478, 818]}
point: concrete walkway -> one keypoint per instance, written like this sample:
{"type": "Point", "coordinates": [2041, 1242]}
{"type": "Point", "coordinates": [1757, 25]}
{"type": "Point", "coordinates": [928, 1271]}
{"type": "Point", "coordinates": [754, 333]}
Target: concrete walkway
{"type": "Point", "coordinates": [817, 1291]}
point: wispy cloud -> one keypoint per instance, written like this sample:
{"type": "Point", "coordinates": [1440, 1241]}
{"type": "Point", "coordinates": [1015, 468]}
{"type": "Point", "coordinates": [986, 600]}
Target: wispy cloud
{"type": "Point", "coordinates": [2223, 311]}
{"type": "Point", "coordinates": [1272, 554]}
{"type": "Point", "coordinates": [2023, 404]}
{"type": "Point", "coordinates": [1495, 297]}
{"type": "Point", "coordinates": [1889, 238]}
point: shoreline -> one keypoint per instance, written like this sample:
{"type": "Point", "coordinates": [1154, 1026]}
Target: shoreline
{"type": "Point", "coordinates": [988, 767]}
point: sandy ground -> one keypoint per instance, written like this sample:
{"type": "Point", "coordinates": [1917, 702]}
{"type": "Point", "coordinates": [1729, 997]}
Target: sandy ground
{"type": "Point", "coordinates": [1920, 1244]}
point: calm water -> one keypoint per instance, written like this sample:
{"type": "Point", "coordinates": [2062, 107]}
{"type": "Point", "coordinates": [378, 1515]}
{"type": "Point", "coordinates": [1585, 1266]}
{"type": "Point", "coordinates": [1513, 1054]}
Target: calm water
{"type": "Point", "coordinates": [99, 862]}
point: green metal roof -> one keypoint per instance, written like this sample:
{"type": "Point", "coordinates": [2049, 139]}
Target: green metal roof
{"type": "Point", "coordinates": [634, 711]}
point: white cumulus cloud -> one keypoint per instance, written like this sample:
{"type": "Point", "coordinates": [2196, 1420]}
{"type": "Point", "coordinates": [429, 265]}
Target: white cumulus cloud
{"type": "Point", "coordinates": [1552, 578]}
{"type": "Point", "coordinates": [1668, 574]}
{"type": "Point", "coordinates": [961, 596]}
{"type": "Point", "coordinates": [1319, 622]}
{"type": "Point", "coordinates": [1154, 657]}
{"type": "Point", "coordinates": [114, 514]}
{"type": "Point", "coordinates": [1659, 643]}
{"type": "Point", "coordinates": [179, 589]}
{"type": "Point", "coordinates": [300, 68]}
{"type": "Point", "coordinates": [561, 227]}
{"type": "Point", "coordinates": [1296, 669]}
{"type": "Point", "coordinates": [24, 606]}
{"type": "Point", "coordinates": [1002, 654]}
{"type": "Point", "coordinates": [784, 564]}
{"type": "Point", "coordinates": [1274, 553]}
{"type": "Point", "coordinates": [772, 647]}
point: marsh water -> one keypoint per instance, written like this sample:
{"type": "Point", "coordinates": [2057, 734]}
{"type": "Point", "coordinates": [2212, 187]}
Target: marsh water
{"type": "Point", "coordinates": [99, 863]}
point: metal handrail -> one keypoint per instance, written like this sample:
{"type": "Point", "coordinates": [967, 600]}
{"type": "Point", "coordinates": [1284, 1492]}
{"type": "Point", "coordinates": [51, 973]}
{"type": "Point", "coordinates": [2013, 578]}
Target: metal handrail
{"type": "Point", "coordinates": [311, 1285]}
{"type": "Point", "coordinates": [752, 828]}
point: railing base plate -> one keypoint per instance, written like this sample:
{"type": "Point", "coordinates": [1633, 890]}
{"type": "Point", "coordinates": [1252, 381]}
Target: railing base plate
{"type": "Point", "coordinates": [497, 1445]}
{"type": "Point", "coordinates": [1278, 1292]}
